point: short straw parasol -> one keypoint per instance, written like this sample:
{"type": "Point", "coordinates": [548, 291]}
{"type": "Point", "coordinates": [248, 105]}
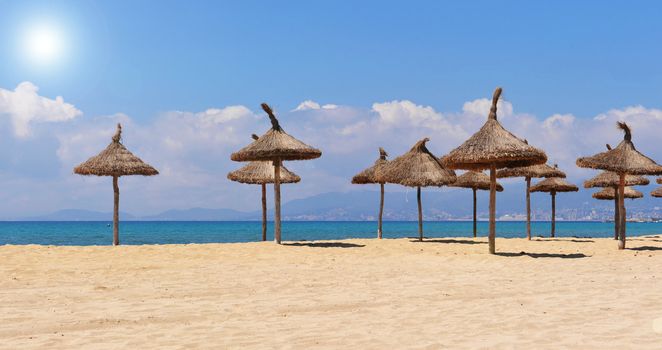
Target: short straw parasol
{"type": "Point", "coordinates": [609, 193]}
{"type": "Point", "coordinates": [367, 176]}
{"type": "Point", "coordinates": [528, 172]}
{"type": "Point", "coordinates": [611, 180]}
{"type": "Point", "coordinates": [474, 180]}
{"type": "Point", "coordinates": [657, 192]}
{"type": "Point", "coordinates": [416, 168]}
{"type": "Point", "coordinates": [493, 147]}
{"type": "Point", "coordinates": [115, 161]}
{"type": "Point", "coordinates": [276, 146]}
{"type": "Point", "coordinates": [262, 173]}
{"type": "Point", "coordinates": [554, 185]}
{"type": "Point", "coordinates": [623, 160]}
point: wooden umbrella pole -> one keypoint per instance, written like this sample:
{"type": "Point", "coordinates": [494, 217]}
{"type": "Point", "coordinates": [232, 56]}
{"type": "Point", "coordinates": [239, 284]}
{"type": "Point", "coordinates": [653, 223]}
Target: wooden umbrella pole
{"type": "Point", "coordinates": [116, 211]}
{"type": "Point", "coordinates": [492, 235]}
{"type": "Point", "coordinates": [553, 213]}
{"type": "Point", "coordinates": [617, 222]}
{"type": "Point", "coordinates": [381, 211]}
{"type": "Point", "coordinates": [622, 214]}
{"type": "Point", "coordinates": [264, 212]}
{"type": "Point", "coordinates": [277, 200]}
{"type": "Point", "coordinates": [420, 214]}
{"type": "Point", "coordinates": [474, 190]}
{"type": "Point", "coordinates": [528, 208]}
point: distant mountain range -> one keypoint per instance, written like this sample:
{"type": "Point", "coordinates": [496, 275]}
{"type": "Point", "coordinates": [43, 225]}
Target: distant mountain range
{"type": "Point", "coordinates": [446, 204]}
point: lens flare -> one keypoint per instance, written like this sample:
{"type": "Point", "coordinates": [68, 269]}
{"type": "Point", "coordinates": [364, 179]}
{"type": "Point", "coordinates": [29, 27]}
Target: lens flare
{"type": "Point", "coordinates": [43, 44]}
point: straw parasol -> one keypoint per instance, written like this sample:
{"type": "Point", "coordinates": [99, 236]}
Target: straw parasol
{"type": "Point", "coordinates": [611, 180]}
{"type": "Point", "coordinates": [476, 181]}
{"type": "Point", "coordinates": [609, 193]}
{"type": "Point", "coordinates": [657, 192]}
{"type": "Point", "coordinates": [659, 180]}
{"type": "Point", "coordinates": [262, 173]}
{"type": "Point", "coordinates": [554, 185]}
{"type": "Point", "coordinates": [623, 160]}
{"type": "Point", "coordinates": [528, 172]}
{"type": "Point", "coordinates": [367, 176]}
{"type": "Point", "coordinates": [493, 147]}
{"type": "Point", "coordinates": [276, 146]}
{"type": "Point", "coordinates": [416, 168]}
{"type": "Point", "coordinates": [115, 161]}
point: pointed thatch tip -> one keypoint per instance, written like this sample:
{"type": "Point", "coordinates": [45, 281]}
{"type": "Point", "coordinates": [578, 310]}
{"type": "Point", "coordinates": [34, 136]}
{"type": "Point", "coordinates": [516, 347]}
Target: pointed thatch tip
{"type": "Point", "coordinates": [626, 129]}
{"type": "Point", "coordinates": [118, 134]}
{"type": "Point", "coordinates": [254, 137]}
{"type": "Point", "coordinates": [608, 147]}
{"type": "Point", "coordinates": [274, 122]}
{"type": "Point", "coordinates": [420, 145]}
{"type": "Point", "coordinates": [382, 154]}
{"type": "Point", "coordinates": [495, 99]}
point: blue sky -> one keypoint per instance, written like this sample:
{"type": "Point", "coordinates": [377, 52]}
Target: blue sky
{"type": "Point", "coordinates": [176, 71]}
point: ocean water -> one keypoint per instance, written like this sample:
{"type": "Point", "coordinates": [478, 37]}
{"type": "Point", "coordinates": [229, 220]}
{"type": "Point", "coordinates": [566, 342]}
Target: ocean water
{"type": "Point", "coordinates": [169, 232]}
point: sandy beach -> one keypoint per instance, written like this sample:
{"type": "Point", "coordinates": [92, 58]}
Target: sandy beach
{"type": "Point", "coordinates": [361, 294]}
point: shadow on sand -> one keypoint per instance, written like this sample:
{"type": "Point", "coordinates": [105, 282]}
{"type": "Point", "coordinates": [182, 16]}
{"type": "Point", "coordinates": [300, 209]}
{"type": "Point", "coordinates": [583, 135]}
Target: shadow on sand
{"type": "Point", "coordinates": [549, 239]}
{"type": "Point", "coordinates": [325, 245]}
{"type": "Point", "coordinates": [646, 247]}
{"type": "Point", "coordinates": [456, 241]}
{"type": "Point", "coordinates": [544, 255]}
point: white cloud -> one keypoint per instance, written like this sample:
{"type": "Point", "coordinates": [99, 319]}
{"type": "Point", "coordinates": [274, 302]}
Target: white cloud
{"type": "Point", "coordinates": [25, 106]}
{"type": "Point", "coordinates": [312, 105]}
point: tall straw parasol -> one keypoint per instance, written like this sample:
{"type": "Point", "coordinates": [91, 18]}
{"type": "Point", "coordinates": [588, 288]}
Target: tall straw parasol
{"type": "Point", "coordinates": [115, 161]}
{"type": "Point", "coordinates": [416, 168]}
{"type": "Point", "coordinates": [528, 172]}
{"type": "Point", "coordinates": [657, 192]}
{"type": "Point", "coordinates": [611, 180]}
{"type": "Point", "coordinates": [554, 185]}
{"type": "Point", "coordinates": [367, 176]}
{"type": "Point", "coordinates": [609, 193]}
{"type": "Point", "coordinates": [262, 173]}
{"type": "Point", "coordinates": [276, 146]}
{"type": "Point", "coordinates": [475, 181]}
{"type": "Point", "coordinates": [623, 160]}
{"type": "Point", "coordinates": [493, 147]}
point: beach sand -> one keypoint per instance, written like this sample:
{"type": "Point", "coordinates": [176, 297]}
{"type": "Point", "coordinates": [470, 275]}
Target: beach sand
{"type": "Point", "coordinates": [359, 294]}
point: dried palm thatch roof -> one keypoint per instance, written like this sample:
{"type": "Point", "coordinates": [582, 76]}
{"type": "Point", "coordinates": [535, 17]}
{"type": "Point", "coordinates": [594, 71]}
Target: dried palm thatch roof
{"type": "Point", "coordinates": [416, 168]}
{"type": "Point", "coordinates": [493, 145]}
{"type": "Point", "coordinates": [476, 180]}
{"type": "Point", "coordinates": [533, 171]}
{"type": "Point", "coordinates": [609, 193]}
{"type": "Point", "coordinates": [262, 172]}
{"type": "Point", "coordinates": [554, 184]}
{"type": "Point", "coordinates": [657, 192]}
{"type": "Point", "coordinates": [275, 144]}
{"type": "Point", "coordinates": [659, 180]}
{"type": "Point", "coordinates": [115, 160]}
{"type": "Point", "coordinates": [623, 159]}
{"type": "Point", "coordinates": [367, 176]}
{"type": "Point", "coordinates": [611, 179]}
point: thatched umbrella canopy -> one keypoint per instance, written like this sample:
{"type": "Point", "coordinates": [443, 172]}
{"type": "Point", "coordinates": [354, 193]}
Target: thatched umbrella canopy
{"type": "Point", "coordinates": [623, 160]}
{"type": "Point", "coordinates": [609, 193]}
{"type": "Point", "coordinates": [528, 172]}
{"type": "Point", "coordinates": [416, 168]}
{"type": "Point", "coordinates": [657, 192]}
{"type": "Point", "coordinates": [659, 180]}
{"type": "Point", "coordinates": [276, 146]}
{"type": "Point", "coordinates": [367, 176]}
{"type": "Point", "coordinates": [493, 147]}
{"type": "Point", "coordinates": [554, 185]}
{"type": "Point", "coordinates": [115, 161]}
{"type": "Point", "coordinates": [262, 173]}
{"type": "Point", "coordinates": [611, 180]}
{"type": "Point", "coordinates": [475, 181]}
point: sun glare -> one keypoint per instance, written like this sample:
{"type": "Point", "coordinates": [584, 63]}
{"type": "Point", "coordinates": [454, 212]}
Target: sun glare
{"type": "Point", "coordinates": [43, 44]}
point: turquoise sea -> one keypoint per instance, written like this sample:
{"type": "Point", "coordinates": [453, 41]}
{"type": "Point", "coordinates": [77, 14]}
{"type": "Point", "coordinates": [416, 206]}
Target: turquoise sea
{"type": "Point", "coordinates": [169, 232]}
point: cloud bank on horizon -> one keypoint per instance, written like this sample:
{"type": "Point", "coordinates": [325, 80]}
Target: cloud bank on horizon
{"type": "Point", "coordinates": [44, 138]}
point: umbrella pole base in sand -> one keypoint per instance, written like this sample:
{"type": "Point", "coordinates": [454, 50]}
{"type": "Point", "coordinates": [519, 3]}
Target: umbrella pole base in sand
{"type": "Point", "coordinates": [116, 211]}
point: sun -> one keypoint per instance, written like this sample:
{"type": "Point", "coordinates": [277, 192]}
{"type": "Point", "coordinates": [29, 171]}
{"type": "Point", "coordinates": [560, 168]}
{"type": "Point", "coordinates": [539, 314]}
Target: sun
{"type": "Point", "coordinates": [43, 44]}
